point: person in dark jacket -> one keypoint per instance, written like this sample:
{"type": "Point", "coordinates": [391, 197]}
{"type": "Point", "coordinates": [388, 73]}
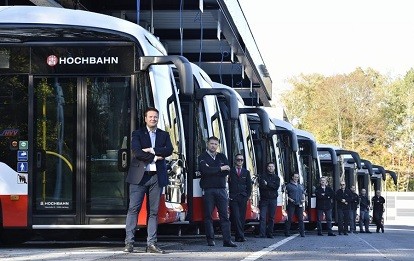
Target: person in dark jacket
{"type": "Point", "coordinates": [354, 202]}
{"type": "Point", "coordinates": [269, 183]}
{"type": "Point", "coordinates": [343, 198]}
{"type": "Point", "coordinates": [377, 210]}
{"type": "Point", "coordinates": [240, 188]}
{"type": "Point", "coordinates": [364, 207]}
{"type": "Point", "coordinates": [214, 168]}
{"type": "Point", "coordinates": [296, 200]}
{"type": "Point", "coordinates": [324, 197]}
{"type": "Point", "coordinates": [147, 175]}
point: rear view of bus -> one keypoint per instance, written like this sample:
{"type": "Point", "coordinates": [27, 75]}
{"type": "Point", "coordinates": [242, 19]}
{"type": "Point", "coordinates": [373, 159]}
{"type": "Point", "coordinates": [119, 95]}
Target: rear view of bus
{"type": "Point", "coordinates": [74, 86]}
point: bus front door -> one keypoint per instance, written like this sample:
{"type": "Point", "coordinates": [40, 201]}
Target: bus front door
{"type": "Point", "coordinates": [79, 124]}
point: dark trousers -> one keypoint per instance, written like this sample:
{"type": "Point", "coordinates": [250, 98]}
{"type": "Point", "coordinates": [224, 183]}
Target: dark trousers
{"type": "Point", "coordinates": [343, 220]}
{"type": "Point", "coordinates": [364, 220]}
{"type": "Point", "coordinates": [328, 218]}
{"type": "Point", "coordinates": [352, 220]}
{"type": "Point", "coordinates": [377, 218]}
{"type": "Point", "coordinates": [216, 197]}
{"type": "Point", "coordinates": [267, 216]}
{"type": "Point", "coordinates": [238, 207]}
{"type": "Point", "coordinates": [298, 211]}
{"type": "Point", "coordinates": [149, 186]}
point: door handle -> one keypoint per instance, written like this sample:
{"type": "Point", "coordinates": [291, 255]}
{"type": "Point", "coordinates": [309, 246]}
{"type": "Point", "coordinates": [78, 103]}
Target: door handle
{"type": "Point", "coordinates": [40, 160]}
{"type": "Point", "coordinates": [123, 160]}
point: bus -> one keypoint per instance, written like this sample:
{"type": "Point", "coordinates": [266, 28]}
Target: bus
{"type": "Point", "coordinates": [278, 146]}
{"type": "Point", "coordinates": [311, 169]}
{"type": "Point", "coordinates": [338, 165]}
{"type": "Point", "coordinates": [74, 86]}
{"type": "Point", "coordinates": [287, 153]}
{"type": "Point", "coordinates": [202, 118]}
{"type": "Point", "coordinates": [240, 140]}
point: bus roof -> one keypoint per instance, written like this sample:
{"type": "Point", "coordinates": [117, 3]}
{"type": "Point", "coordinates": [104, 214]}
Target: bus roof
{"type": "Point", "coordinates": [305, 134]}
{"type": "Point", "coordinates": [239, 98]}
{"type": "Point", "coordinates": [18, 19]}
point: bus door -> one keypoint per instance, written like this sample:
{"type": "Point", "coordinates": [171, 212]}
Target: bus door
{"type": "Point", "coordinates": [79, 125]}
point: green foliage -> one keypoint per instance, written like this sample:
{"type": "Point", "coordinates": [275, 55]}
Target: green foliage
{"type": "Point", "coordinates": [362, 111]}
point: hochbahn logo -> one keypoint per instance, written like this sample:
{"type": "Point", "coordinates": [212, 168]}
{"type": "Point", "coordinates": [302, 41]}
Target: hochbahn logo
{"type": "Point", "coordinates": [53, 60]}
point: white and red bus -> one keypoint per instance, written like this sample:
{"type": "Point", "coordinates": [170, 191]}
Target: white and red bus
{"type": "Point", "coordinates": [311, 171]}
{"type": "Point", "coordinates": [240, 140]}
{"type": "Point", "coordinates": [74, 86]}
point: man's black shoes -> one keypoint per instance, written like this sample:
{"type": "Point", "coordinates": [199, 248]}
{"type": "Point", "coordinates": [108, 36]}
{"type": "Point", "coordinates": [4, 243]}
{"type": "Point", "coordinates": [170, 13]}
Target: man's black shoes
{"type": "Point", "coordinates": [320, 234]}
{"type": "Point", "coordinates": [154, 249]}
{"type": "Point", "coordinates": [241, 239]}
{"type": "Point", "coordinates": [229, 244]}
{"type": "Point", "coordinates": [129, 247]}
{"type": "Point", "coordinates": [331, 235]}
{"type": "Point", "coordinates": [210, 243]}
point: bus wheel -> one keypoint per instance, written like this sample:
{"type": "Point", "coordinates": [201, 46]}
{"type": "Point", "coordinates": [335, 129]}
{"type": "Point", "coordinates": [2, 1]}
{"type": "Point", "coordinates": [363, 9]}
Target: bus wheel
{"type": "Point", "coordinates": [14, 236]}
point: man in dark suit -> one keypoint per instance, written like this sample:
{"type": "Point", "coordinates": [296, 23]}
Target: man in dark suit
{"type": "Point", "coordinates": [240, 188]}
{"type": "Point", "coordinates": [214, 168]}
{"type": "Point", "coordinates": [354, 202]}
{"type": "Point", "coordinates": [147, 175]}
{"type": "Point", "coordinates": [343, 198]}
{"type": "Point", "coordinates": [378, 209]}
{"type": "Point", "coordinates": [324, 196]}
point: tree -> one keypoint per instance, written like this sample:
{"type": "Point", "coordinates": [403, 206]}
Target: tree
{"type": "Point", "coordinates": [362, 111]}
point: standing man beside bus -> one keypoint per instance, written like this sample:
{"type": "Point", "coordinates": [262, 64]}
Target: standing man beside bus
{"type": "Point", "coordinates": [240, 188]}
{"type": "Point", "coordinates": [296, 200]}
{"type": "Point", "coordinates": [214, 168]}
{"type": "Point", "coordinates": [343, 198]}
{"type": "Point", "coordinates": [364, 206]}
{"type": "Point", "coordinates": [377, 210]}
{"type": "Point", "coordinates": [269, 183]}
{"type": "Point", "coordinates": [324, 197]}
{"type": "Point", "coordinates": [147, 175]}
{"type": "Point", "coordinates": [354, 202]}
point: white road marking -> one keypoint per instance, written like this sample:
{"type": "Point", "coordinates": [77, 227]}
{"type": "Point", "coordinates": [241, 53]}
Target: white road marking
{"type": "Point", "coordinates": [268, 249]}
{"type": "Point", "coordinates": [379, 252]}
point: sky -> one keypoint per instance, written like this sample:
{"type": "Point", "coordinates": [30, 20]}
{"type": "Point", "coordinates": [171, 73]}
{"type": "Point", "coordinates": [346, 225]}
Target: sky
{"type": "Point", "coordinates": [331, 36]}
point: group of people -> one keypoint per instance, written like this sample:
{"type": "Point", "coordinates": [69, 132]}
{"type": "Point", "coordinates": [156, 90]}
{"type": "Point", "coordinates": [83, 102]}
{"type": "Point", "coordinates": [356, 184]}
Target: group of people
{"type": "Point", "coordinates": [216, 173]}
{"type": "Point", "coordinates": [147, 175]}
{"type": "Point", "coordinates": [347, 205]}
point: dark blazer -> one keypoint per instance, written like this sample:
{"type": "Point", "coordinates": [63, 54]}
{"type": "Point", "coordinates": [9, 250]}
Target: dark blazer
{"type": "Point", "coordinates": [378, 203]}
{"type": "Point", "coordinates": [240, 185]}
{"type": "Point", "coordinates": [211, 174]}
{"type": "Point", "coordinates": [346, 194]}
{"type": "Point", "coordinates": [270, 190]}
{"type": "Point", "coordinates": [324, 198]}
{"type": "Point", "coordinates": [354, 201]}
{"type": "Point", "coordinates": [140, 159]}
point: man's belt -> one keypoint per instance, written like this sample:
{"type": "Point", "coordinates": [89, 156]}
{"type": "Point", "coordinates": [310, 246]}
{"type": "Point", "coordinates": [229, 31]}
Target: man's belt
{"type": "Point", "coordinates": [150, 173]}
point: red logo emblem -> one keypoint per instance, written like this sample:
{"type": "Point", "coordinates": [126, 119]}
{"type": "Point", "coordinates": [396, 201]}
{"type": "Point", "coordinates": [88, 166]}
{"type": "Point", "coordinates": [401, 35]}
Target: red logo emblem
{"type": "Point", "coordinates": [52, 60]}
